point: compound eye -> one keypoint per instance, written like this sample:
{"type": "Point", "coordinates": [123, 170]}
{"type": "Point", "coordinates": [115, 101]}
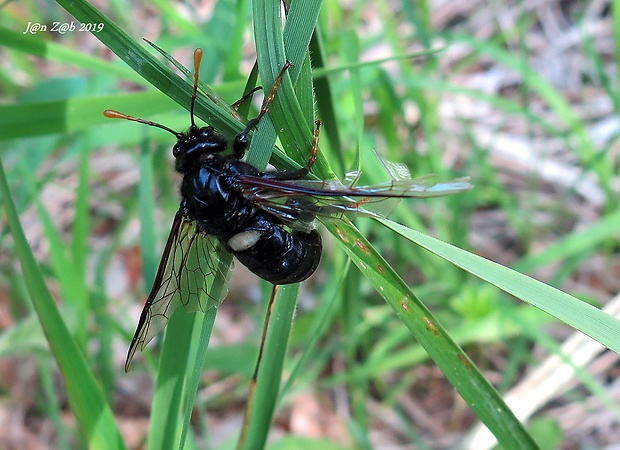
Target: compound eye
{"type": "Point", "coordinates": [176, 150]}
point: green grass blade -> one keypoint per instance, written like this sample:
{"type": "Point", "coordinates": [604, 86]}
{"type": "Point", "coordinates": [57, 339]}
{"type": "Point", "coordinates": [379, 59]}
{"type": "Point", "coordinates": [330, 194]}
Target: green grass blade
{"type": "Point", "coordinates": [87, 402]}
{"type": "Point", "coordinates": [157, 74]}
{"type": "Point", "coordinates": [146, 212]}
{"type": "Point", "coordinates": [183, 352]}
{"type": "Point", "coordinates": [72, 287]}
{"type": "Point", "coordinates": [453, 362]}
{"type": "Point", "coordinates": [81, 224]}
{"type": "Point", "coordinates": [54, 52]}
{"type": "Point", "coordinates": [576, 243]}
{"type": "Point", "coordinates": [296, 136]}
{"type": "Point", "coordinates": [66, 116]}
{"type": "Point", "coordinates": [320, 324]}
{"type": "Point", "coordinates": [263, 394]}
{"type": "Point", "coordinates": [166, 414]}
{"type": "Point", "coordinates": [576, 313]}
{"type": "Point", "coordinates": [219, 288]}
{"type": "Point", "coordinates": [273, 47]}
{"type": "Point", "coordinates": [326, 107]}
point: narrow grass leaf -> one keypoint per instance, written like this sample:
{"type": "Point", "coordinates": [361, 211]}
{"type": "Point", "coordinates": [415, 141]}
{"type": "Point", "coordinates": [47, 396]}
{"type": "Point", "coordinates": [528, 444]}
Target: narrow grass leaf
{"type": "Point", "coordinates": [54, 52]}
{"type": "Point", "coordinates": [218, 290]}
{"type": "Point", "coordinates": [87, 402]}
{"type": "Point", "coordinates": [576, 313]}
{"type": "Point", "coordinates": [264, 392]}
{"type": "Point", "coordinates": [72, 114]}
{"type": "Point", "coordinates": [579, 242]}
{"type": "Point", "coordinates": [219, 114]}
{"type": "Point", "coordinates": [296, 134]}
{"type": "Point", "coordinates": [166, 421]}
{"type": "Point", "coordinates": [453, 362]}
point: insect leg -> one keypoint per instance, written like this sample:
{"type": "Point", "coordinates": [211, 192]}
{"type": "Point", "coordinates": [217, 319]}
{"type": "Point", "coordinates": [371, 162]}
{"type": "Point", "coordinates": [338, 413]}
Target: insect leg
{"type": "Point", "coordinates": [315, 147]}
{"type": "Point", "coordinates": [299, 173]}
{"type": "Point", "coordinates": [245, 97]}
{"type": "Point", "coordinates": [241, 140]}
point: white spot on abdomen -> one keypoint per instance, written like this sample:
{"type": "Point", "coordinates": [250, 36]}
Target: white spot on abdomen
{"type": "Point", "coordinates": [244, 240]}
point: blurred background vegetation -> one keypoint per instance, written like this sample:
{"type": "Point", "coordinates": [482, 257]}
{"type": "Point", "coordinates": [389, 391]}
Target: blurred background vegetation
{"type": "Point", "coordinates": [520, 96]}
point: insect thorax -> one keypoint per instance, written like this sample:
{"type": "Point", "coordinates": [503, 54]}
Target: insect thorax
{"type": "Point", "coordinates": [211, 196]}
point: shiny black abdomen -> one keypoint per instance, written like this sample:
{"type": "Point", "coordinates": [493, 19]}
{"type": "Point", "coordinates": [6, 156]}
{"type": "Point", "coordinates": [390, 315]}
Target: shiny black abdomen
{"type": "Point", "coordinates": [213, 198]}
{"type": "Point", "coordinates": [279, 256]}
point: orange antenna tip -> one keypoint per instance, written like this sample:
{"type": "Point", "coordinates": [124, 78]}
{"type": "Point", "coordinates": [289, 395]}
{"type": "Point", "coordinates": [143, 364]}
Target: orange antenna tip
{"type": "Point", "coordinates": [112, 114]}
{"type": "Point", "coordinates": [197, 59]}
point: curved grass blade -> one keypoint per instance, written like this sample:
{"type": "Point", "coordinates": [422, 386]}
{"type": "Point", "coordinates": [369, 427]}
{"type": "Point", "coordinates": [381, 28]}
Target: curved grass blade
{"type": "Point", "coordinates": [268, 373]}
{"type": "Point", "coordinates": [578, 314]}
{"type": "Point", "coordinates": [218, 290]}
{"type": "Point", "coordinates": [453, 362]}
{"type": "Point", "coordinates": [156, 73]}
{"type": "Point", "coordinates": [54, 52]}
{"type": "Point", "coordinates": [87, 402]}
{"type": "Point", "coordinates": [274, 46]}
{"type": "Point", "coordinates": [183, 352]}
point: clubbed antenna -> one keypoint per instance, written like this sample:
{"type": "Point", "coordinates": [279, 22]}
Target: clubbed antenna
{"type": "Point", "coordinates": [112, 114]}
{"type": "Point", "coordinates": [197, 60]}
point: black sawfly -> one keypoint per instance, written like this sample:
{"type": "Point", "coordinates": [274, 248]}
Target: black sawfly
{"type": "Point", "coordinates": [265, 219]}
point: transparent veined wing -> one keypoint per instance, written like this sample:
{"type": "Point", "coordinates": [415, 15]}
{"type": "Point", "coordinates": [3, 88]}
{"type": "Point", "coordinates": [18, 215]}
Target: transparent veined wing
{"type": "Point", "coordinates": [298, 202]}
{"type": "Point", "coordinates": [187, 261]}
